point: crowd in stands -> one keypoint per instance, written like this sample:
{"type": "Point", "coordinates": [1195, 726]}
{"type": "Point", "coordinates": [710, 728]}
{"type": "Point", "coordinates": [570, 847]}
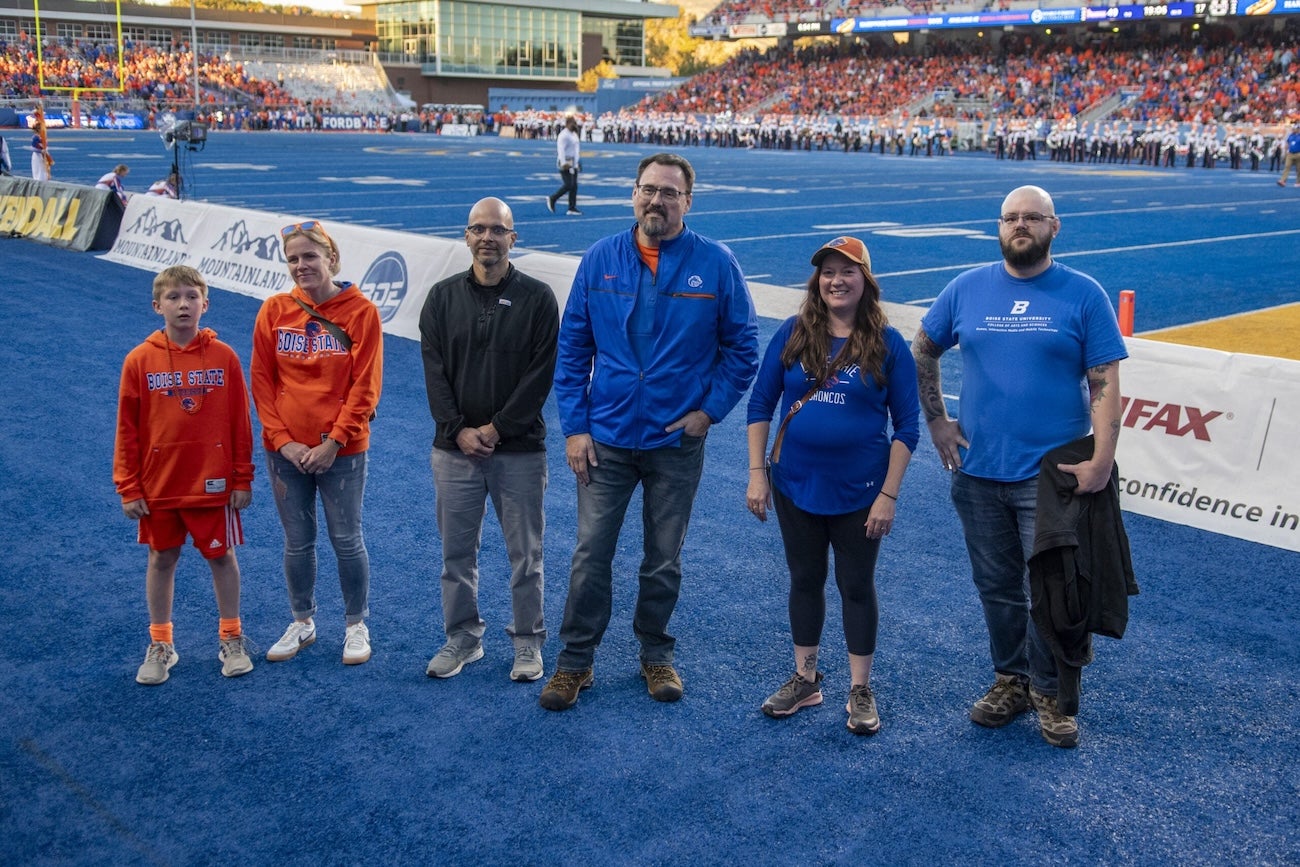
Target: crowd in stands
{"type": "Point", "coordinates": [349, 86]}
{"type": "Point", "coordinates": [731, 12]}
{"type": "Point", "coordinates": [762, 11]}
{"type": "Point", "coordinates": [1218, 79]}
{"type": "Point", "coordinates": [158, 80]}
{"type": "Point", "coordinates": [859, 94]}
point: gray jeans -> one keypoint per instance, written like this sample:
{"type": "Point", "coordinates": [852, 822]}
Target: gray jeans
{"type": "Point", "coordinates": [516, 483]}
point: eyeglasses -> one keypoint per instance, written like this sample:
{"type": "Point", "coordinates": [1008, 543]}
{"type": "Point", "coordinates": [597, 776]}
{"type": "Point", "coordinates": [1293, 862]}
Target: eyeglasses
{"type": "Point", "coordinates": [1031, 219]}
{"type": "Point", "coordinates": [305, 226]}
{"type": "Point", "coordinates": [649, 191]}
{"type": "Point", "coordinates": [496, 231]}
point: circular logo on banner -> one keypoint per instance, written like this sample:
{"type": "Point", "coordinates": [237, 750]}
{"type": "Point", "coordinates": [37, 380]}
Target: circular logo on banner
{"type": "Point", "coordinates": [385, 283]}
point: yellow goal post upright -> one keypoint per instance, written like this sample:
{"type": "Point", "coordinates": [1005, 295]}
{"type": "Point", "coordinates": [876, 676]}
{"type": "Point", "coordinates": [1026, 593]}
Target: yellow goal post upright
{"type": "Point", "coordinates": [77, 91]}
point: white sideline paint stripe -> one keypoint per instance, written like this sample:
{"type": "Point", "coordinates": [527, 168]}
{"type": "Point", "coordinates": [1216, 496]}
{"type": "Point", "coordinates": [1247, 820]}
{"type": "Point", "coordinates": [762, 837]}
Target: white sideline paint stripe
{"type": "Point", "coordinates": [1108, 250]}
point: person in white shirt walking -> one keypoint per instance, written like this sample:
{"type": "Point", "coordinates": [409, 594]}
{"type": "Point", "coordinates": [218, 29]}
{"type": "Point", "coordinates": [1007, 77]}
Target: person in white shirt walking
{"type": "Point", "coordinates": [568, 159]}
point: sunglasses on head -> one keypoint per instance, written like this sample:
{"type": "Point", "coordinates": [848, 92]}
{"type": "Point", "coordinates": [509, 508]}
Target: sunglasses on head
{"type": "Point", "coordinates": [305, 226]}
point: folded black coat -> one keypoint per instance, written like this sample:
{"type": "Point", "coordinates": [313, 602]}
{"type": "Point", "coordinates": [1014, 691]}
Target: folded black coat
{"type": "Point", "coordinates": [1081, 571]}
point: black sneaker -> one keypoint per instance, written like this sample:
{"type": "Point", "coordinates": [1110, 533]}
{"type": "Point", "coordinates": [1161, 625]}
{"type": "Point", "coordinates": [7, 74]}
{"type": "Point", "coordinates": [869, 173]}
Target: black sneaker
{"type": "Point", "coordinates": [662, 681]}
{"type": "Point", "coordinates": [795, 693]}
{"type": "Point", "coordinates": [573, 212]}
{"type": "Point", "coordinates": [550, 204]}
{"type": "Point", "coordinates": [561, 691]}
{"type": "Point", "coordinates": [1007, 699]}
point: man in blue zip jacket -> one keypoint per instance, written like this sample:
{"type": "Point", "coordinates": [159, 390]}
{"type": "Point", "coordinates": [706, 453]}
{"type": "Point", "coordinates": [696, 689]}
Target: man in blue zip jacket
{"type": "Point", "coordinates": [657, 343]}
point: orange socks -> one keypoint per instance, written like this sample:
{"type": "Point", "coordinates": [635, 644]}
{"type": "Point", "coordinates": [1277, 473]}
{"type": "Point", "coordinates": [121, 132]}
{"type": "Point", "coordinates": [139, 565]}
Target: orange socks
{"type": "Point", "coordinates": [229, 628]}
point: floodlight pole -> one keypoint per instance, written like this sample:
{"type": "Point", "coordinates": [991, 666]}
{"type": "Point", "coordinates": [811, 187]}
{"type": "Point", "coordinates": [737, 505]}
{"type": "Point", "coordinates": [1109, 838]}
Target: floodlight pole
{"type": "Point", "coordinates": [194, 55]}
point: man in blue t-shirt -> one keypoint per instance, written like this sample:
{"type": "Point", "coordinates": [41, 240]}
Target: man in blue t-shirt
{"type": "Point", "coordinates": [1040, 352]}
{"type": "Point", "coordinates": [1292, 156]}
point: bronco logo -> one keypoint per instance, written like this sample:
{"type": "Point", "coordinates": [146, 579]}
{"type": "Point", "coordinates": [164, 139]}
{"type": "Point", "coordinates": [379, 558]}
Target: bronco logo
{"type": "Point", "coordinates": [385, 283]}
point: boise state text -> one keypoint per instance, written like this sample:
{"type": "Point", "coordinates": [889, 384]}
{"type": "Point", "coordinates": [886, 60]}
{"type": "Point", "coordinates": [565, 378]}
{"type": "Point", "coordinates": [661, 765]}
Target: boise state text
{"type": "Point", "coordinates": [167, 379]}
{"type": "Point", "coordinates": [312, 341]}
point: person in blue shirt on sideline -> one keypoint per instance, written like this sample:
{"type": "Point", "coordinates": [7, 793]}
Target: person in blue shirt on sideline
{"type": "Point", "coordinates": [1292, 156]}
{"type": "Point", "coordinates": [846, 383]}
{"type": "Point", "coordinates": [1040, 354]}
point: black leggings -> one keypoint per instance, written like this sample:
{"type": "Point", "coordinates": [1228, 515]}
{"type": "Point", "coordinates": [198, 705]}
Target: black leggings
{"type": "Point", "coordinates": [808, 538]}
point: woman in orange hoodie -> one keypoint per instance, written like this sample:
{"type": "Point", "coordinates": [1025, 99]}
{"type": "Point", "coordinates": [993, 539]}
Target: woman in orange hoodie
{"type": "Point", "coordinates": [317, 370]}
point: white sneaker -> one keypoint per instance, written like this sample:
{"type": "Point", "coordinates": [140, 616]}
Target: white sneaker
{"type": "Point", "coordinates": [299, 634]}
{"type": "Point", "coordinates": [158, 660]}
{"type": "Point", "coordinates": [356, 644]}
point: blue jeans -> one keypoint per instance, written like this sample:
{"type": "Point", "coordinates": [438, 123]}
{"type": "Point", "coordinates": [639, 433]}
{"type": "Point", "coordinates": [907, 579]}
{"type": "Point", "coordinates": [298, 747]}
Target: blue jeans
{"type": "Point", "coordinates": [516, 482]}
{"type": "Point", "coordinates": [998, 520]}
{"type": "Point", "coordinates": [341, 490]}
{"type": "Point", "coordinates": [668, 478]}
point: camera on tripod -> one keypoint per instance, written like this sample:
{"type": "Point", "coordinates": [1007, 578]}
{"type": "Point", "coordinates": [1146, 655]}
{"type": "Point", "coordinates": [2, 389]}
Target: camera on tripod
{"type": "Point", "coordinates": [188, 132]}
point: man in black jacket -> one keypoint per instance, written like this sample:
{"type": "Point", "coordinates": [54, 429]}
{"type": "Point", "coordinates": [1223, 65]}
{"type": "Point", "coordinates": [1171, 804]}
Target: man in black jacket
{"type": "Point", "coordinates": [488, 338]}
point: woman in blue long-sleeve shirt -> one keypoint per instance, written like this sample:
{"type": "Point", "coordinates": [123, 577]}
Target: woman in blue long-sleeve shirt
{"type": "Point", "coordinates": [845, 383]}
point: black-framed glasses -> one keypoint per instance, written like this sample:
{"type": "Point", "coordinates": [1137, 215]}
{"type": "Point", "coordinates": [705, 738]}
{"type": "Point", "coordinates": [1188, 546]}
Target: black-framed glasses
{"type": "Point", "coordinates": [305, 226]}
{"type": "Point", "coordinates": [649, 191]}
{"type": "Point", "coordinates": [495, 231]}
{"type": "Point", "coordinates": [1031, 219]}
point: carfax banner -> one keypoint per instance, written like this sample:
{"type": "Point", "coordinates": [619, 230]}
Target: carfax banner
{"type": "Point", "coordinates": [1208, 440]}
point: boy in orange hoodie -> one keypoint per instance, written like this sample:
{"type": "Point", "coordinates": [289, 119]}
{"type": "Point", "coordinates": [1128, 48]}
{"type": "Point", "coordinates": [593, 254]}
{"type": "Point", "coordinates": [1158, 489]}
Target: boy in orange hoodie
{"type": "Point", "coordinates": [183, 463]}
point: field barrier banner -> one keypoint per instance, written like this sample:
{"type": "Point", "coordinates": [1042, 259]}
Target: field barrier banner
{"type": "Point", "coordinates": [63, 215]}
{"type": "Point", "coordinates": [239, 251]}
{"type": "Point", "coordinates": [1208, 440]}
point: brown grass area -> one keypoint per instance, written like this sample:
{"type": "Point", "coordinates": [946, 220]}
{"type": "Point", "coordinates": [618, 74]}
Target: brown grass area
{"type": "Point", "coordinates": [1273, 332]}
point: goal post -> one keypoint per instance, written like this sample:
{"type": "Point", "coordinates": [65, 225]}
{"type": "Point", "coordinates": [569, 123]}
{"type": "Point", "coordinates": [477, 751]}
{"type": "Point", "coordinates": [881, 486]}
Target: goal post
{"type": "Point", "coordinates": [54, 85]}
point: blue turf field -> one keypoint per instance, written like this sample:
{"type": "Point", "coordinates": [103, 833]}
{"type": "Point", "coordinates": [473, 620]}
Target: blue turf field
{"type": "Point", "coordinates": [1194, 243]}
{"type": "Point", "coordinates": [1190, 725]}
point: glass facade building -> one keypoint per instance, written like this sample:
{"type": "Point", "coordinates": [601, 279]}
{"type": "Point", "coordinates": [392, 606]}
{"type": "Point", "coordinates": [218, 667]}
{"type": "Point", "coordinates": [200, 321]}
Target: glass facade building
{"type": "Point", "coordinates": [530, 40]}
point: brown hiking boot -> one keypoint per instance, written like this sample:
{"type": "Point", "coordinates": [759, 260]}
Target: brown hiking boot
{"type": "Point", "coordinates": [662, 681]}
{"type": "Point", "coordinates": [1005, 700]}
{"type": "Point", "coordinates": [1057, 729]}
{"type": "Point", "coordinates": [561, 691]}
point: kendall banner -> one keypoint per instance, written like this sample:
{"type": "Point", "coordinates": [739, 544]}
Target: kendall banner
{"type": "Point", "coordinates": [64, 215]}
{"type": "Point", "coordinates": [1208, 440]}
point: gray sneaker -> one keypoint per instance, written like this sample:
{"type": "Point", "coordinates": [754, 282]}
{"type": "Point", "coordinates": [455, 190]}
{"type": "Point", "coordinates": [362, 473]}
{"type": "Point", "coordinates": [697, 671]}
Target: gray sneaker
{"type": "Point", "coordinates": [158, 660]}
{"type": "Point", "coordinates": [1007, 699]}
{"type": "Point", "coordinates": [795, 693]}
{"type": "Point", "coordinates": [451, 659]}
{"type": "Point", "coordinates": [1057, 728]}
{"type": "Point", "coordinates": [234, 656]}
{"type": "Point", "coordinates": [863, 719]}
{"type": "Point", "coordinates": [528, 665]}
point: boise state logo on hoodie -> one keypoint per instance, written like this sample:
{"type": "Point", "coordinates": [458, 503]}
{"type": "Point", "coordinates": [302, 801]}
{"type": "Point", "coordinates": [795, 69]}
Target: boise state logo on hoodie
{"type": "Point", "coordinates": [385, 283]}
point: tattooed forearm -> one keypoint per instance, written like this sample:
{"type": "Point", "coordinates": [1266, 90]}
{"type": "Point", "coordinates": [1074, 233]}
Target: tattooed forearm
{"type": "Point", "coordinates": [1098, 381]}
{"type": "Point", "coordinates": [929, 384]}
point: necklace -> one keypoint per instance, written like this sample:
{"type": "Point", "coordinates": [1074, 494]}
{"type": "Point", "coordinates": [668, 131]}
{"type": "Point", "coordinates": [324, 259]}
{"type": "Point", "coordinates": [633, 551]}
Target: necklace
{"type": "Point", "coordinates": [188, 403]}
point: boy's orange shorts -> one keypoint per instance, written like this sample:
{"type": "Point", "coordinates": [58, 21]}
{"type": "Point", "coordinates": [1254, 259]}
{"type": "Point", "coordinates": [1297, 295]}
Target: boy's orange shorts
{"type": "Point", "coordinates": [215, 530]}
